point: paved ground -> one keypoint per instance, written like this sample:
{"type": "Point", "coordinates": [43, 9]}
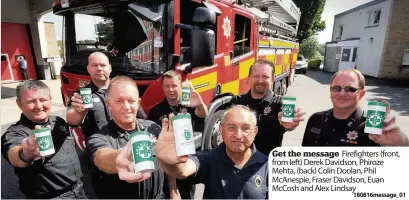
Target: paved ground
{"type": "Point", "coordinates": [311, 90]}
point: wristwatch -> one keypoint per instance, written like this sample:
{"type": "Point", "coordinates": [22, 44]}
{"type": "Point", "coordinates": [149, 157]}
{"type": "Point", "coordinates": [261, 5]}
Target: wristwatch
{"type": "Point", "coordinates": [22, 158]}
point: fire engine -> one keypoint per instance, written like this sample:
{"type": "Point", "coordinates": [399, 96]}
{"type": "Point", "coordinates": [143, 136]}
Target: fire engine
{"type": "Point", "coordinates": [211, 43]}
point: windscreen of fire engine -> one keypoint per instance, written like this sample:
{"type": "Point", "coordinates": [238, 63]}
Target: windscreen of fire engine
{"type": "Point", "coordinates": [113, 37]}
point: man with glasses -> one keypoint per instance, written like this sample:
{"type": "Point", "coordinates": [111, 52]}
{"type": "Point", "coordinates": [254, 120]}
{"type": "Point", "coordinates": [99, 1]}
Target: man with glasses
{"type": "Point", "coordinates": [344, 124]}
{"type": "Point", "coordinates": [234, 170]}
{"type": "Point", "coordinates": [267, 106]}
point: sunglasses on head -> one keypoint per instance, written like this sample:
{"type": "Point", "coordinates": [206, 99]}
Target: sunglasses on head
{"type": "Point", "coordinates": [348, 89]}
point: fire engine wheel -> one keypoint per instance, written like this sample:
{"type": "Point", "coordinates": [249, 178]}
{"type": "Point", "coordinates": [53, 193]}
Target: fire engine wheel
{"type": "Point", "coordinates": [283, 87]}
{"type": "Point", "coordinates": [277, 88]}
{"type": "Point", "coordinates": [212, 135]}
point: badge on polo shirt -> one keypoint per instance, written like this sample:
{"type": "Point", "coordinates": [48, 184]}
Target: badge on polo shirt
{"type": "Point", "coordinates": [351, 137]}
{"type": "Point", "coordinates": [96, 100]}
{"type": "Point", "coordinates": [267, 110]}
{"type": "Point", "coordinates": [258, 181]}
{"type": "Point", "coordinates": [315, 130]}
{"type": "Point", "coordinates": [183, 111]}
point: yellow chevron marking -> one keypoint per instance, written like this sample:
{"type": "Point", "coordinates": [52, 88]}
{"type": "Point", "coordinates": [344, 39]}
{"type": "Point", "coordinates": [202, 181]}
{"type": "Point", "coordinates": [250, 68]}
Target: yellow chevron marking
{"type": "Point", "coordinates": [205, 82]}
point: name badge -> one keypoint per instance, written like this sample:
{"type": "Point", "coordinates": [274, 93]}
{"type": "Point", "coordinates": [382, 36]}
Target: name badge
{"type": "Point", "coordinates": [96, 100]}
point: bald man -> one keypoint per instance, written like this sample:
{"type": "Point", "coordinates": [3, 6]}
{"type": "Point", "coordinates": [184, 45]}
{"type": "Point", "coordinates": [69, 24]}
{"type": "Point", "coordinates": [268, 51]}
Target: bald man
{"type": "Point", "coordinates": [93, 119]}
{"type": "Point", "coordinates": [234, 170]}
{"type": "Point", "coordinates": [110, 148]}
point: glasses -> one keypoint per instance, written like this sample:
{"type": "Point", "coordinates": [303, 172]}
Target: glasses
{"type": "Point", "coordinates": [244, 129]}
{"type": "Point", "coordinates": [347, 89]}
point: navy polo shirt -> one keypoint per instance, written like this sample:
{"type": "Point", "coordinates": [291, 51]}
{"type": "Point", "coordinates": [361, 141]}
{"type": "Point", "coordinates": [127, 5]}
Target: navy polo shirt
{"type": "Point", "coordinates": [270, 132]}
{"type": "Point", "coordinates": [109, 186]}
{"type": "Point", "coordinates": [323, 129]}
{"type": "Point", "coordinates": [224, 180]}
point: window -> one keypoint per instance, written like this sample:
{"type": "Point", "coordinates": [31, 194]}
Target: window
{"type": "Point", "coordinates": [300, 57]}
{"type": "Point", "coordinates": [242, 30]}
{"type": "Point", "coordinates": [354, 55]}
{"type": "Point", "coordinates": [374, 17]}
{"type": "Point", "coordinates": [188, 8]}
{"type": "Point", "coordinates": [345, 54]}
{"type": "Point", "coordinates": [405, 60]}
{"type": "Point", "coordinates": [340, 30]}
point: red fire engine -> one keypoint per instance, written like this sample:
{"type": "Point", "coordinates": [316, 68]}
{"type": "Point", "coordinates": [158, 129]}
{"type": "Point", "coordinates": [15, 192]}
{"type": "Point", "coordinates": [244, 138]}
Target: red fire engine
{"type": "Point", "coordinates": [212, 43]}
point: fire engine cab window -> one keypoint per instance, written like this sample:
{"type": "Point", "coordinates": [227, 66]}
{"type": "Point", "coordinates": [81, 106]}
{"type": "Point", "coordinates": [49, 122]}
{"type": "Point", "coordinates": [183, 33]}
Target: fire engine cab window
{"type": "Point", "coordinates": [131, 44]}
{"type": "Point", "coordinates": [188, 8]}
{"type": "Point", "coordinates": [242, 30]}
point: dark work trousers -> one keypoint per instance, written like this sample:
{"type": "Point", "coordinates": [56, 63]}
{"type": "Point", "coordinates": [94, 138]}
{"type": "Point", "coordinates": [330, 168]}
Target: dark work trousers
{"type": "Point", "coordinates": [186, 188]}
{"type": "Point", "coordinates": [24, 71]}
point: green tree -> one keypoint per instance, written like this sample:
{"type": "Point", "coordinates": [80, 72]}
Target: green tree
{"type": "Point", "coordinates": [321, 49]}
{"type": "Point", "coordinates": [59, 44]}
{"type": "Point", "coordinates": [309, 46]}
{"type": "Point", "coordinates": [310, 22]}
{"type": "Point", "coordinates": [105, 31]}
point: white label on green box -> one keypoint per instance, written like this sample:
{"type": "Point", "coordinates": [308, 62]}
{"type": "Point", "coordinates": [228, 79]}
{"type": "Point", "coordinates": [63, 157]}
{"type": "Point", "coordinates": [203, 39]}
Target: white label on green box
{"type": "Point", "coordinates": [142, 151]}
{"type": "Point", "coordinates": [44, 141]}
{"type": "Point", "coordinates": [288, 109]}
{"type": "Point", "coordinates": [87, 100]}
{"type": "Point", "coordinates": [185, 96]}
{"type": "Point", "coordinates": [375, 117]}
{"type": "Point", "coordinates": [182, 125]}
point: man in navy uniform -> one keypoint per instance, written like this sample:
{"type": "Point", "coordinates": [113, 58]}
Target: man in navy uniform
{"type": "Point", "coordinates": [267, 106]}
{"type": "Point", "coordinates": [110, 147]}
{"type": "Point", "coordinates": [234, 170]}
{"type": "Point", "coordinates": [45, 177]}
{"type": "Point", "coordinates": [344, 124]}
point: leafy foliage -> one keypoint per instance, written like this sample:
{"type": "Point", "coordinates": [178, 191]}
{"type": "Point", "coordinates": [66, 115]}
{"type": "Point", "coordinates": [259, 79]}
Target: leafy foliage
{"type": "Point", "coordinates": [314, 64]}
{"type": "Point", "coordinates": [105, 31]}
{"type": "Point", "coordinates": [309, 46]}
{"type": "Point", "coordinates": [310, 22]}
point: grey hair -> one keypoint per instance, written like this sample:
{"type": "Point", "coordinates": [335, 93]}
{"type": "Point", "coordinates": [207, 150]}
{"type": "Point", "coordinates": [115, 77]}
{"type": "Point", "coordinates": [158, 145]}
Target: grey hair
{"type": "Point", "coordinates": [31, 85]}
{"type": "Point", "coordinates": [253, 116]}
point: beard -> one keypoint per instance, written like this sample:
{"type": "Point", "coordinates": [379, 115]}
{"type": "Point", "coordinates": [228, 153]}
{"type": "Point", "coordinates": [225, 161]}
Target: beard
{"type": "Point", "coordinates": [260, 89]}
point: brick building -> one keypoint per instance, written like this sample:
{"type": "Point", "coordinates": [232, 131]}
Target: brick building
{"type": "Point", "coordinates": [372, 38]}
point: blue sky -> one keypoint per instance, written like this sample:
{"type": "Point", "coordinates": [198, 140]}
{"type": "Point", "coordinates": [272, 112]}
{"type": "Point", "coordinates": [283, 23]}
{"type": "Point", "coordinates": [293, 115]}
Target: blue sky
{"type": "Point", "coordinates": [332, 7]}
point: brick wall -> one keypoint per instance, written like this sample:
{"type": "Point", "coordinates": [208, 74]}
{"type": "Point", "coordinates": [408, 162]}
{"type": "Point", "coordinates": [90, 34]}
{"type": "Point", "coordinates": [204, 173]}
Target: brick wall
{"type": "Point", "coordinates": [396, 41]}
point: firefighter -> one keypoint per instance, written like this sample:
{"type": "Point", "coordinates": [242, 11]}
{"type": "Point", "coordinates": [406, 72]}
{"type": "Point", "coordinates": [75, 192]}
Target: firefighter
{"type": "Point", "coordinates": [344, 124]}
{"type": "Point", "coordinates": [42, 177]}
{"type": "Point", "coordinates": [93, 119]}
{"type": "Point", "coordinates": [218, 168]}
{"type": "Point", "coordinates": [172, 87]}
{"type": "Point", "coordinates": [267, 106]}
{"type": "Point", "coordinates": [110, 149]}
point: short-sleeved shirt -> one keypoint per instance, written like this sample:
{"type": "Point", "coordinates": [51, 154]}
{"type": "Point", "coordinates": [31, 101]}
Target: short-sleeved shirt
{"type": "Point", "coordinates": [99, 115]}
{"type": "Point", "coordinates": [270, 132]}
{"type": "Point", "coordinates": [323, 129]}
{"type": "Point", "coordinates": [109, 185]}
{"type": "Point", "coordinates": [163, 110]}
{"type": "Point", "coordinates": [224, 180]}
{"type": "Point", "coordinates": [53, 175]}
{"type": "Point", "coordinates": [22, 63]}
